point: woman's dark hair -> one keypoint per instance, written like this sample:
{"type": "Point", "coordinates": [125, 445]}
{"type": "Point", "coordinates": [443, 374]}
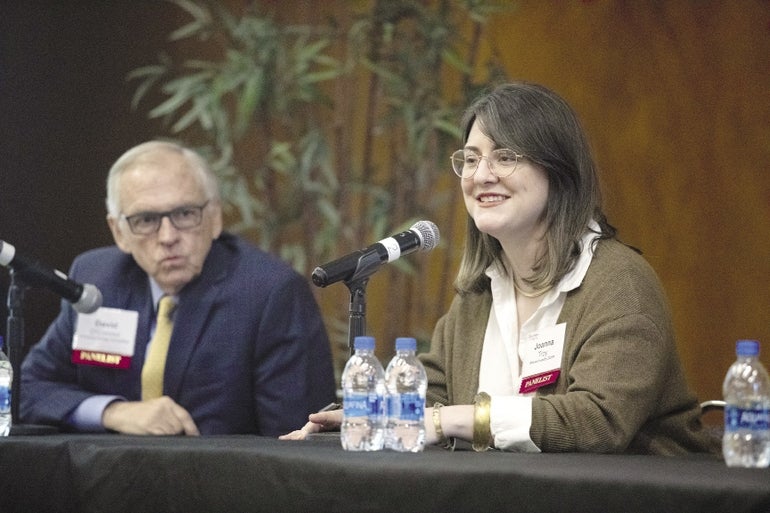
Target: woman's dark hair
{"type": "Point", "coordinates": [537, 123]}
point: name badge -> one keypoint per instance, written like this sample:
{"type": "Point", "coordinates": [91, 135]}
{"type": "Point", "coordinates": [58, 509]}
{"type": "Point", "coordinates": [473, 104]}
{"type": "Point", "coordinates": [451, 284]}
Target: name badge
{"type": "Point", "coordinates": [105, 338]}
{"type": "Point", "coordinates": [541, 358]}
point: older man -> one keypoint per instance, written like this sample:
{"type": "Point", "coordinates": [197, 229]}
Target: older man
{"type": "Point", "coordinates": [238, 347]}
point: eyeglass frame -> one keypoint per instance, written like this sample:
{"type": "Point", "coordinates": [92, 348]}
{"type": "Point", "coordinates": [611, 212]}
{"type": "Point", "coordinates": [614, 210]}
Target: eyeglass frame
{"type": "Point", "coordinates": [517, 155]}
{"type": "Point", "coordinates": [168, 213]}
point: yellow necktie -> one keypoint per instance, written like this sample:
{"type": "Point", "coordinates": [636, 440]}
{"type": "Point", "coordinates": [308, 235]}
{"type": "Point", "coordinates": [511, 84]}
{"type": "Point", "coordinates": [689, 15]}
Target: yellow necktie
{"type": "Point", "coordinates": [155, 363]}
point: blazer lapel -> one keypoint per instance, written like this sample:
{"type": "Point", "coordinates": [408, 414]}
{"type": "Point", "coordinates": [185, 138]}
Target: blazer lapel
{"type": "Point", "coordinates": [134, 294]}
{"type": "Point", "coordinates": [196, 302]}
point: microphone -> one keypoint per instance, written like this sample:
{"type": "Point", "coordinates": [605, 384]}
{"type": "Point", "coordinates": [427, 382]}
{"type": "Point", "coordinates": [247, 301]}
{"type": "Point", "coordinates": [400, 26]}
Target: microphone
{"type": "Point", "coordinates": [423, 235]}
{"type": "Point", "coordinates": [84, 298]}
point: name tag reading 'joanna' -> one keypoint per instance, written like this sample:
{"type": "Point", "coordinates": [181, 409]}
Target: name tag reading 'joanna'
{"type": "Point", "coordinates": [105, 338]}
{"type": "Point", "coordinates": [541, 353]}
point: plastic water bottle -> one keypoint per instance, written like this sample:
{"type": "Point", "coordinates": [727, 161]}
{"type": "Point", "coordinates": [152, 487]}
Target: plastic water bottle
{"type": "Point", "coordinates": [6, 379]}
{"type": "Point", "coordinates": [407, 383]}
{"type": "Point", "coordinates": [363, 399]}
{"type": "Point", "coordinates": [746, 391]}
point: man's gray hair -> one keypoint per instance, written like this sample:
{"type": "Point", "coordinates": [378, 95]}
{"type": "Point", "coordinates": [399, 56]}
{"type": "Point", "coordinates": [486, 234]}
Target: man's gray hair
{"type": "Point", "coordinates": [205, 175]}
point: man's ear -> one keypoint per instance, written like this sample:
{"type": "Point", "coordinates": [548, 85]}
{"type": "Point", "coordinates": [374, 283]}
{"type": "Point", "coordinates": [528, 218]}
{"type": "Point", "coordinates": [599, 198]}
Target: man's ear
{"type": "Point", "coordinates": [117, 234]}
{"type": "Point", "coordinates": [217, 220]}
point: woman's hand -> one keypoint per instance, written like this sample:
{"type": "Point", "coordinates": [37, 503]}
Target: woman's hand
{"type": "Point", "coordinates": [321, 421]}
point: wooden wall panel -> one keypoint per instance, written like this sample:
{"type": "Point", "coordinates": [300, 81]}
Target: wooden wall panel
{"type": "Point", "coordinates": [676, 99]}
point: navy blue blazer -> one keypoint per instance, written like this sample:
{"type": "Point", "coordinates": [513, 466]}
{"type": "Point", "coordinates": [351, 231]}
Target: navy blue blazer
{"type": "Point", "coordinates": [248, 353]}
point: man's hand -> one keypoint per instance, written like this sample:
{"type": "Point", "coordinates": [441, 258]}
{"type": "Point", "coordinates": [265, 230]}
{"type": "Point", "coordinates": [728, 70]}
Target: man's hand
{"type": "Point", "coordinates": [161, 416]}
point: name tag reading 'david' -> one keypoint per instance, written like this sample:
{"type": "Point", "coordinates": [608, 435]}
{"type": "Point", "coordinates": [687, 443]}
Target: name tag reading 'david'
{"type": "Point", "coordinates": [106, 338]}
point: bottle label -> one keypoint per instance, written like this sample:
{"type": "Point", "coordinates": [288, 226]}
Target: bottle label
{"type": "Point", "coordinates": [362, 405]}
{"type": "Point", "coordinates": [412, 407]}
{"type": "Point", "coordinates": [5, 399]}
{"type": "Point", "coordinates": [355, 405]}
{"type": "Point", "coordinates": [754, 419]}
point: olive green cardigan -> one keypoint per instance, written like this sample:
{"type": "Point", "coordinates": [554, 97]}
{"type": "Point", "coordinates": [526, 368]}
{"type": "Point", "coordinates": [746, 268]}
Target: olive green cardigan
{"type": "Point", "coordinates": [621, 388]}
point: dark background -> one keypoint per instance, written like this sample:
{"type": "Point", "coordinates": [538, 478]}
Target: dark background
{"type": "Point", "coordinates": [65, 116]}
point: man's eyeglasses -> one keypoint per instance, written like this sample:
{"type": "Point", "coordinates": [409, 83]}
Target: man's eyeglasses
{"type": "Point", "coordinates": [501, 162]}
{"type": "Point", "coordinates": [182, 218]}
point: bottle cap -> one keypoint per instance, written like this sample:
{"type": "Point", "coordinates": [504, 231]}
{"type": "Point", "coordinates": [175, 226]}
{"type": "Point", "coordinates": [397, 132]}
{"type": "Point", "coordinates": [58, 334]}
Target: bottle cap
{"type": "Point", "coordinates": [747, 348]}
{"type": "Point", "coordinates": [406, 344]}
{"type": "Point", "coordinates": [363, 343]}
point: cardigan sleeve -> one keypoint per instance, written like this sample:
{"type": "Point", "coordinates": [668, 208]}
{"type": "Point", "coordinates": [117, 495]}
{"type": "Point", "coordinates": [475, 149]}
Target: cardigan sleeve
{"type": "Point", "coordinates": [435, 365]}
{"type": "Point", "coordinates": [622, 387]}
{"type": "Point", "coordinates": [452, 364]}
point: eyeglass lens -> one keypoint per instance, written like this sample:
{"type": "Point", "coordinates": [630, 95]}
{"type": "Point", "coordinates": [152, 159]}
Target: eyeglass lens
{"type": "Point", "coordinates": [502, 162]}
{"type": "Point", "coordinates": [181, 218]}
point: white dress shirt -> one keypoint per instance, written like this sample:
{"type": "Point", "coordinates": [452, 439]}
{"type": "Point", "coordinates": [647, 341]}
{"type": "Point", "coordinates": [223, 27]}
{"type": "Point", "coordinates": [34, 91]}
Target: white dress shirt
{"type": "Point", "coordinates": [500, 372]}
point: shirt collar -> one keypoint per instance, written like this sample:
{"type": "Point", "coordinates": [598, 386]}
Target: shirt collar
{"type": "Point", "coordinates": [157, 293]}
{"type": "Point", "coordinates": [572, 279]}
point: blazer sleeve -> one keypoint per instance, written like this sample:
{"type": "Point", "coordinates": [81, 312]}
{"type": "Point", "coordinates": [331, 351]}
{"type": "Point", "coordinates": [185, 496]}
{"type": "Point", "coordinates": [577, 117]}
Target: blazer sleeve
{"type": "Point", "coordinates": [51, 385]}
{"type": "Point", "coordinates": [294, 375]}
{"type": "Point", "coordinates": [49, 389]}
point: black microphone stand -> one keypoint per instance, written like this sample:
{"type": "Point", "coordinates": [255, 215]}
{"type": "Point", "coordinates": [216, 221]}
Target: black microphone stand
{"type": "Point", "coordinates": [368, 264]}
{"type": "Point", "coordinates": [357, 315]}
{"type": "Point", "coordinates": [15, 345]}
{"type": "Point", "coordinates": [14, 339]}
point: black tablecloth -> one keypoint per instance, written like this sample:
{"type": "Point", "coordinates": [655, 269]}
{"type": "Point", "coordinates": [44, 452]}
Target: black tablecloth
{"type": "Point", "coordinates": [113, 473]}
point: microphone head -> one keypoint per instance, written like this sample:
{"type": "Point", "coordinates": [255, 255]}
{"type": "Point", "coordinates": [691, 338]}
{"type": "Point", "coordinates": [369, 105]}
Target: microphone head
{"type": "Point", "coordinates": [428, 234]}
{"type": "Point", "coordinates": [90, 300]}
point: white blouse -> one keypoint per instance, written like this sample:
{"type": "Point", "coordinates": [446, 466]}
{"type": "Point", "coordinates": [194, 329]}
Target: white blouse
{"type": "Point", "coordinates": [500, 372]}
